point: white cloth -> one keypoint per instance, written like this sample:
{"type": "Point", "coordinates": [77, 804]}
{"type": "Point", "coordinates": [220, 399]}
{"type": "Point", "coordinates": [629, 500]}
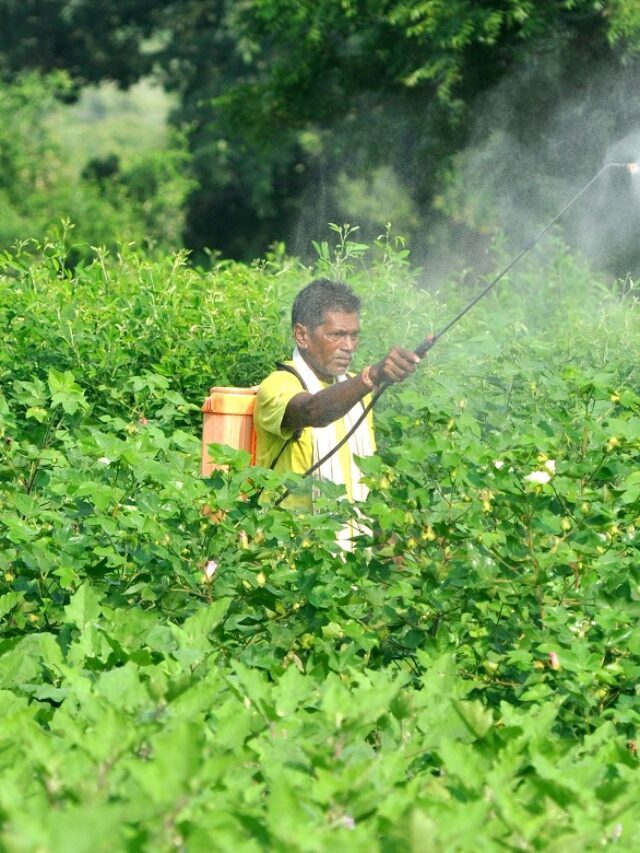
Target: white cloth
{"type": "Point", "coordinates": [325, 439]}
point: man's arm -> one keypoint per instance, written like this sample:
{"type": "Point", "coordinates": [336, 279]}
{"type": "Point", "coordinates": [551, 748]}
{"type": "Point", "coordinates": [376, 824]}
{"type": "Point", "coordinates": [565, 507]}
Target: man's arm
{"type": "Point", "coordinates": [325, 407]}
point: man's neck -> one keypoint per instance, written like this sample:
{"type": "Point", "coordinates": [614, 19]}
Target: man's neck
{"type": "Point", "coordinates": [323, 377]}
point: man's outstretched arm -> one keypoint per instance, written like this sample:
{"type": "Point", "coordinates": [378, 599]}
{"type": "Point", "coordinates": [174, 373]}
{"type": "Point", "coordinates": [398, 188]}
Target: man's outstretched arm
{"type": "Point", "coordinates": [326, 406]}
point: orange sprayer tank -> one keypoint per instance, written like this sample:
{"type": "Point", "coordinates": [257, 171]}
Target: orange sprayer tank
{"type": "Point", "coordinates": [227, 418]}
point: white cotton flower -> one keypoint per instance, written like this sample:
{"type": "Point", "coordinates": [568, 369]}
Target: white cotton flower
{"type": "Point", "coordinates": [104, 460]}
{"type": "Point", "coordinates": [538, 478]}
{"type": "Point", "coordinates": [179, 485]}
{"type": "Point", "coordinates": [550, 466]}
{"type": "Point", "coordinates": [499, 463]}
{"type": "Point", "coordinates": [210, 569]}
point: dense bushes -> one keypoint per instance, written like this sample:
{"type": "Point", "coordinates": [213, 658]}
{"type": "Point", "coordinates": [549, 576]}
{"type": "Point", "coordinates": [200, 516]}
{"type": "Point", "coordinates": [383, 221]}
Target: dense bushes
{"type": "Point", "coordinates": [465, 679]}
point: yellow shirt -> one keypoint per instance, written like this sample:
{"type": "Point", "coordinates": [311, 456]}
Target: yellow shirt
{"type": "Point", "coordinates": [273, 397]}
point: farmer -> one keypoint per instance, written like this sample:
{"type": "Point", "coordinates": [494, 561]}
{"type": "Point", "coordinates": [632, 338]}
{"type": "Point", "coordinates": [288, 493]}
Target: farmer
{"type": "Point", "coordinates": [296, 426]}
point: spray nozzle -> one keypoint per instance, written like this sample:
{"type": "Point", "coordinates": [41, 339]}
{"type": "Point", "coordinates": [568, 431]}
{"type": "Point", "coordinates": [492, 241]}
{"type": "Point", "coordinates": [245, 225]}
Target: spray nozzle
{"type": "Point", "coordinates": [632, 168]}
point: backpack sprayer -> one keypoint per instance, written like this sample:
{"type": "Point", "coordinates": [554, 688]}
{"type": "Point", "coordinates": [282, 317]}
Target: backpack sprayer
{"type": "Point", "coordinates": [236, 404]}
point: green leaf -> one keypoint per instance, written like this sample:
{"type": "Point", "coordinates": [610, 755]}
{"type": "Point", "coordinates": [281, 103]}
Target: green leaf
{"type": "Point", "coordinates": [66, 392]}
{"type": "Point", "coordinates": [122, 687]}
{"type": "Point", "coordinates": [84, 607]}
{"type": "Point", "coordinates": [474, 715]}
{"type": "Point", "coordinates": [197, 627]}
{"type": "Point", "coordinates": [8, 601]}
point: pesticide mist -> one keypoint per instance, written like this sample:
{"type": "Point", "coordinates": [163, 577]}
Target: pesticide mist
{"type": "Point", "coordinates": [536, 141]}
{"type": "Point", "coordinates": [609, 226]}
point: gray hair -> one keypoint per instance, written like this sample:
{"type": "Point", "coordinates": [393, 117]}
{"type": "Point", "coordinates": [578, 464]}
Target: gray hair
{"type": "Point", "coordinates": [320, 296]}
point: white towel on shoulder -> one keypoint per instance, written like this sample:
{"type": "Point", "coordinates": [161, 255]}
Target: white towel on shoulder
{"type": "Point", "coordinates": [325, 438]}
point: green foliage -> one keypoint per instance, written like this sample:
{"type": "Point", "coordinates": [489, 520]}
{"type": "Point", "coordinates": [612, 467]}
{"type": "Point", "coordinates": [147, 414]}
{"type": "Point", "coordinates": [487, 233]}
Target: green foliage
{"type": "Point", "coordinates": [299, 113]}
{"type": "Point", "coordinates": [330, 111]}
{"type": "Point", "coordinates": [105, 120]}
{"type": "Point", "coordinates": [75, 36]}
{"type": "Point", "coordinates": [183, 665]}
{"type": "Point", "coordinates": [625, 25]}
{"type": "Point", "coordinates": [41, 188]}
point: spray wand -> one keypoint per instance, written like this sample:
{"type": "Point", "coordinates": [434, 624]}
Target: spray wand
{"type": "Point", "coordinates": [429, 342]}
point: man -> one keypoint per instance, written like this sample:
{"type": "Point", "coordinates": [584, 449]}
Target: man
{"type": "Point", "coordinates": [297, 425]}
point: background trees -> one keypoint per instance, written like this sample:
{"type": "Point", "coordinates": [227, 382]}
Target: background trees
{"type": "Point", "coordinates": [297, 114]}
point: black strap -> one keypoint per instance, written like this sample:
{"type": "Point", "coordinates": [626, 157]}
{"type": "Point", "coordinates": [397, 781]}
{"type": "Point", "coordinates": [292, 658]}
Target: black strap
{"type": "Point", "coordinates": [280, 365]}
{"type": "Point", "coordinates": [296, 435]}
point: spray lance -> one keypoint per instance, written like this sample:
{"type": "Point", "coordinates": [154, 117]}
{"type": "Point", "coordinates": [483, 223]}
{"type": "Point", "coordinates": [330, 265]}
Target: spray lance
{"type": "Point", "coordinates": [429, 342]}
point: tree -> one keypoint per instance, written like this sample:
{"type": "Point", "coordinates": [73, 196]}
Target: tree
{"type": "Point", "coordinates": [296, 110]}
{"type": "Point", "coordinates": [92, 42]}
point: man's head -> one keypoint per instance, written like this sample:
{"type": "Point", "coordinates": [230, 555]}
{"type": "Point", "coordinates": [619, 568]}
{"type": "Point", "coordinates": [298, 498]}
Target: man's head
{"type": "Point", "coordinates": [320, 296]}
{"type": "Point", "coordinates": [326, 325]}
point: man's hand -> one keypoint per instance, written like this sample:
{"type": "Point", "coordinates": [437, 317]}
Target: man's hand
{"type": "Point", "coordinates": [395, 366]}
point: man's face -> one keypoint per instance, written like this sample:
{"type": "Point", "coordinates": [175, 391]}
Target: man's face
{"type": "Point", "coordinates": [330, 347]}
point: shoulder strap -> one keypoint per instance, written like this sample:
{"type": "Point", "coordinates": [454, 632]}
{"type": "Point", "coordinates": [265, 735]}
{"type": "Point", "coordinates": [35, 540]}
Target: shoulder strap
{"type": "Point", "coordinates": [280, 365]}
{"type": "Point", "coordinates": [296, 435]}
